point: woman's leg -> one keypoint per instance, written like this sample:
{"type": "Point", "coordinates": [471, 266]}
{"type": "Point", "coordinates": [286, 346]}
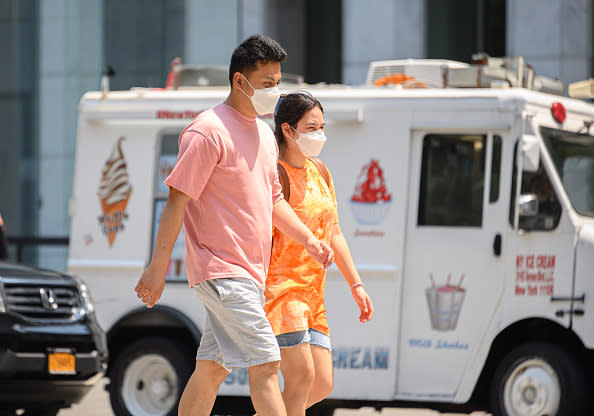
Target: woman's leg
{"type": "Point", "coordinates": [324, 374]}
{"type": "Point", "coordinates": [297, 368]}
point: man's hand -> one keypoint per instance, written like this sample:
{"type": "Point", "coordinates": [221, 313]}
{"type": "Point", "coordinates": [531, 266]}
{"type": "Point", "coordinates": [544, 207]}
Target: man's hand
{"type": "Point", "coordinates": [364, 302]}
{"type": "Point", "coordinates": [151, 283]}
{"type": "Point", "coordinates": [285, 219]}
{"type": "Point", "coordinates": [320, 251]}
{"type": "Point", "coordinates": [150, 286]}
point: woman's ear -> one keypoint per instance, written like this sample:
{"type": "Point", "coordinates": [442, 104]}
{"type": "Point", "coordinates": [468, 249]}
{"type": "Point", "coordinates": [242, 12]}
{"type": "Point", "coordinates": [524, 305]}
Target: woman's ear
{"type": "Point", "coordinates": [286, 129]}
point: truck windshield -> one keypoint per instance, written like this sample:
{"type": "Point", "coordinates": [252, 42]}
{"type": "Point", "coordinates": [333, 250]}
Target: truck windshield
{"type": "Point", "coordinates": [573, 156]}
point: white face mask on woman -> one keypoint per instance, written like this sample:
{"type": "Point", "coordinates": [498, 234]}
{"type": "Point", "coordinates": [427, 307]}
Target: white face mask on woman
{"type": "Point", "coordinates": [311, 143]}
{"type": "Point", "coordinates": [264, 100]}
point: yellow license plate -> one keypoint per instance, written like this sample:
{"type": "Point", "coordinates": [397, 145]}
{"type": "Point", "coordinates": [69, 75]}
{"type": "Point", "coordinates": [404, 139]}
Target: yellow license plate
{"type": "Point", "coordinates": [61, 363]}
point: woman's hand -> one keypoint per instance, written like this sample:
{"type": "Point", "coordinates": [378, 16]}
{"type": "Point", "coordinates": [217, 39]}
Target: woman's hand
{"type": "Point", "coordinates": [364, 302]}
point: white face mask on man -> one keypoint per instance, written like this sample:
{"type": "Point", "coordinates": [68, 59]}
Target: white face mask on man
{"type": "Point", "coordinates": [264, 100]}
{"type": "Point", "coordinates": [310, 144]}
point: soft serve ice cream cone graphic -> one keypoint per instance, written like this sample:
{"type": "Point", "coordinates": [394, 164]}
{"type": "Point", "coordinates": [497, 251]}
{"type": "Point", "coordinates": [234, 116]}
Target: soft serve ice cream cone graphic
{"type": "Point", "coordinates": [114, 192]}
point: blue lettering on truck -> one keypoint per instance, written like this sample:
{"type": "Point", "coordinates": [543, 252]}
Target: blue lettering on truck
{"type": "Point", "coordinates": [371, 358]}
{"type": "Point", "coordinates": [238, 376]}
{"type": "Point", "coordinates": [360, 358]}
{"type": "Point", "coordinates": [440, 344]}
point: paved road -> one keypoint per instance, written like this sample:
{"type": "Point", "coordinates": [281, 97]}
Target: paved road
{"type": "Point", "coordinates": [96, 403]}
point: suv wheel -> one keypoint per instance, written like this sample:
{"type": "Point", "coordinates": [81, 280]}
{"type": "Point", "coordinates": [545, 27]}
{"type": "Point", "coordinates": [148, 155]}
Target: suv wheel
{"type": "Point", "coordinates": [148, 377]}
{"type": "Point", "coordinates": [538, 379]}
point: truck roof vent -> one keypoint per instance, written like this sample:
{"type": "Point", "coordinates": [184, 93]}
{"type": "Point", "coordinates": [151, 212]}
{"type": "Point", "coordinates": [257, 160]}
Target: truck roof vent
{"type": "Point", "coordinates": [582, 89]}
{"type": "Point", "coordinates": [211, 76]}
{"type": "Point", "coordinates": [425, 70]}
{"type": "Point", "coordinates": [200, 76]}
{"type": "Point", "coordinates": [483, 72]}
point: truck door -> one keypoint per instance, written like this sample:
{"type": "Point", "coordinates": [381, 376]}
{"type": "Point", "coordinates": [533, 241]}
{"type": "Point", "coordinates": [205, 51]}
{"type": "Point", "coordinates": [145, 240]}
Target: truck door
{"type": "Point", "coordinates": [540, 260]}
{"type": "Point", "coordinates": [453, 271]}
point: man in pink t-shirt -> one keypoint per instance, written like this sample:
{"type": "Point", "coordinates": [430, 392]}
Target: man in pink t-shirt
{"type": "Point", "coordinates": [225, 190]}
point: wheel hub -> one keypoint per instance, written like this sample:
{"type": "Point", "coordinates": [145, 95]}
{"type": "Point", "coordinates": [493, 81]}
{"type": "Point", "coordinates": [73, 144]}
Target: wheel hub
{"type": "Point", "coordinates": [150, 385]}
{"type": "Point", "coordinates": [532, 389]}
{"type": "Point", "coordinates": [160, 388]}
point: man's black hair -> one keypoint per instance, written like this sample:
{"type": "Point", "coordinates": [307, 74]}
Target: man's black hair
{"type": "Point", "coordinates": [256, 48]}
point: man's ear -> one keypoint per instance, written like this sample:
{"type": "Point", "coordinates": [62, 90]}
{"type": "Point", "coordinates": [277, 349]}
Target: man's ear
{"type": "Point", "coordinates": [238, 80]}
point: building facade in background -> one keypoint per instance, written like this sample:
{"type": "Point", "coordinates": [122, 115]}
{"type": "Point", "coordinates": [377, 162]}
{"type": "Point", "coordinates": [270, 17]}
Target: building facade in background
{"type": "Point", "coordinates": [55, 50]}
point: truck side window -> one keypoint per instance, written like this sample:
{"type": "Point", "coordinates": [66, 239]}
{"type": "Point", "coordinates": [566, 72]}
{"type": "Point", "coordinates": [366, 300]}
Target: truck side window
{"type": "Point", "coordinates": [549, 209]}
{"type": "Point", "coordinates": [452, 180]}
{"type": "Point", "coordinates": [176, 270]}
{"type": "Point", "coordinates": [495, 169]}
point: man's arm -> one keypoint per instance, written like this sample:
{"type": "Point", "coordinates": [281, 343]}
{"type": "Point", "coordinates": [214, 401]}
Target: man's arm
{"type": "Point", "coordinates": [285, 219]}
{"type": "Point", "coordinates": [151, 283]}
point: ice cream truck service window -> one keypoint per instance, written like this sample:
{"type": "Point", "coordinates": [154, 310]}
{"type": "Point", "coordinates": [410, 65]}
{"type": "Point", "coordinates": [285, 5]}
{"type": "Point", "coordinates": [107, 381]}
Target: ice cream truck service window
{"type": "Point", "coordinates": [176, 270]}
{"type": "Point", "coordinates": [453, 178]}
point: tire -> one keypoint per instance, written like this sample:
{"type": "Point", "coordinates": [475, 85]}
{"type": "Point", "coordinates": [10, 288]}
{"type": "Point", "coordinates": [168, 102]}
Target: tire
{"type": "Point", "coordinates": [149, 376]}
{"type": "Point", "coordinates": [539, 379]}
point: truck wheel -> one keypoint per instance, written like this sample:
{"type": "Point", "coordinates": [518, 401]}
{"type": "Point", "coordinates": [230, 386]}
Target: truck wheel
{"type": "Point", "coordinates": [538, 379]}
{"type": "Point", "coordinates": [149, 376]}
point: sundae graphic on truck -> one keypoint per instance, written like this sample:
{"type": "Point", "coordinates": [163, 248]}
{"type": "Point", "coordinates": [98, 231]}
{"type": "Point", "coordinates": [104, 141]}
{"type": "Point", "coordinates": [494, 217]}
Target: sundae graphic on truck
{"type": "Point", "coordinates": [445, 303]}
{"type": "Point", "coordinates": [114, 193]}
{"type": "Point", "coordinates": [371, 200]}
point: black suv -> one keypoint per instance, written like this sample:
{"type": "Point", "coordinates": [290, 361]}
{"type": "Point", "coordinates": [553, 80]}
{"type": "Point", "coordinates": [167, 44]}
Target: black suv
{"type": "Point", "coordinates": [52, 350]}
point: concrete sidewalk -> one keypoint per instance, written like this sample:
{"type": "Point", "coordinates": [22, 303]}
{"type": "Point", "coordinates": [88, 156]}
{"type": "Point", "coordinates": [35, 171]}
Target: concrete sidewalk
{"type": "Point", "coordinates": [96, 403]}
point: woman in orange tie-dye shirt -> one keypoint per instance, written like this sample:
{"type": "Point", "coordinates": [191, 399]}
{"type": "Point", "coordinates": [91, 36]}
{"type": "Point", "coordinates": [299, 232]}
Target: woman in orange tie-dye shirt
{"type": "Point", "coordinates": [296, 282]}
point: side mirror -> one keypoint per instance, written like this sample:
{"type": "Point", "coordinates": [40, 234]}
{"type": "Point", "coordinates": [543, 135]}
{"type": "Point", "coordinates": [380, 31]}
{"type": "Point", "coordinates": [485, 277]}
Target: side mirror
{"type": "Point", "coordinates": [530, 153]}
{"type": "Point", "coordinates": [528, 205]}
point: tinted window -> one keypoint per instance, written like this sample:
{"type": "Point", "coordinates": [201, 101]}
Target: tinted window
{"type": "Point", "coordinates": [537, 184]}
{"type": "Point", "coordinates": [452, 180]}
{"type": "Point", "coordinates": [495, 169]}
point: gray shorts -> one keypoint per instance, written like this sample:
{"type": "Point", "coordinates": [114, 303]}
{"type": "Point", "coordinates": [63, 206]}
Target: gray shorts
{"type": "Point", "coordinates": [237, 333]}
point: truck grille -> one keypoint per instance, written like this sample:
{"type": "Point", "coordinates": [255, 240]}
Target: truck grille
{"type": "Point", "coordinates": [43, 302]}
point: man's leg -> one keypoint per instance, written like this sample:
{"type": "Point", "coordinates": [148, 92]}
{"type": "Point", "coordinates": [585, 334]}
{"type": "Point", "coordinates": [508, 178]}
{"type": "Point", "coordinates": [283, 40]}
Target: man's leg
{"type": "Point", "coordinates": [242, 337]}
{"type": "Point", "coordinates": [265, 390]}
{"type": "Point", "coordinates": [201, 390]}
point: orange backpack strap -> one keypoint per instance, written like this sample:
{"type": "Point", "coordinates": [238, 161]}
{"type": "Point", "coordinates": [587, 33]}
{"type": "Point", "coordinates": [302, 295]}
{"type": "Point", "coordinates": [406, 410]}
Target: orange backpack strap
{"type": "Point", "coordinates": [283, 178]}
{"type": "Point", "coordinates": [322, 168]}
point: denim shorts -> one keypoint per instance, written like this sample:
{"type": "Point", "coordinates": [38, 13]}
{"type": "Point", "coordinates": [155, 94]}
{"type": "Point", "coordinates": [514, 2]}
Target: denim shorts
{"type": "Point", "coordinates": [237, 333]}
{"type": "Point", "coordinates": [313, 337]}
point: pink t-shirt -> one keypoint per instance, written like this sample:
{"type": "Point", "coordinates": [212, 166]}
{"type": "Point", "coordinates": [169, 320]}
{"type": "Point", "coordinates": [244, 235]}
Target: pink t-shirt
{"type": "Point", "coordinates": [227, 165]}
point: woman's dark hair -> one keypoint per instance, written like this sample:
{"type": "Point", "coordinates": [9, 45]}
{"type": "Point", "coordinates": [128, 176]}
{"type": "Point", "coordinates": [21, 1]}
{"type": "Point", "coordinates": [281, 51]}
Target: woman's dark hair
{"type": "Point", "coordinates": [255, 48]}
{"type": "Point", "coordinates": [290, 109]}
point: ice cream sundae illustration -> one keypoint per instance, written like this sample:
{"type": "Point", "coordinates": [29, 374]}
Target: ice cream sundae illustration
{"type": "Point", "coordinates": [371, 200]}
{"type": "Point", "coordinates": [114, 192]}
{"type": "Point", "coordinates": [445, 303]}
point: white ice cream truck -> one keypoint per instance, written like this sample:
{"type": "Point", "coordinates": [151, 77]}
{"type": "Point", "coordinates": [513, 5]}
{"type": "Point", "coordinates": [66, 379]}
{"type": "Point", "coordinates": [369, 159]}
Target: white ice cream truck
{"type": "Point", "coordinates": [466, 193]}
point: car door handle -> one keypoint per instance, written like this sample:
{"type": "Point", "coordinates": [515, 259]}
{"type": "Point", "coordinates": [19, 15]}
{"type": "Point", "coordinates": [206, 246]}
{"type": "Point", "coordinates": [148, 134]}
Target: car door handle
{"type": "Point", "coordinates": [497, 245]}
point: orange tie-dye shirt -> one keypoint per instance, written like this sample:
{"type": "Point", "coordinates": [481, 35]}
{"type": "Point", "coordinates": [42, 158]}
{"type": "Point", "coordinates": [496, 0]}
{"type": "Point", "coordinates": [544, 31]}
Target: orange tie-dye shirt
{"type": "Point", "coordinates": [296, 282]}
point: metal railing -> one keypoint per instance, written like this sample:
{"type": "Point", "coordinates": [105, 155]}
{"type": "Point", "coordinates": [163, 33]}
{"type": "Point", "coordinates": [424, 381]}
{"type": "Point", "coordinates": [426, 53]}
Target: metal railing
{"type": "Point", "coordinates": [20, 242]}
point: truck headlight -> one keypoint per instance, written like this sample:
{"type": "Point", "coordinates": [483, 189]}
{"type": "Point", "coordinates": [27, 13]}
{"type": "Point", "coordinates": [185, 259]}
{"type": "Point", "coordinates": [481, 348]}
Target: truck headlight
{"type": "Point", "coordinates": [85, 296]}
